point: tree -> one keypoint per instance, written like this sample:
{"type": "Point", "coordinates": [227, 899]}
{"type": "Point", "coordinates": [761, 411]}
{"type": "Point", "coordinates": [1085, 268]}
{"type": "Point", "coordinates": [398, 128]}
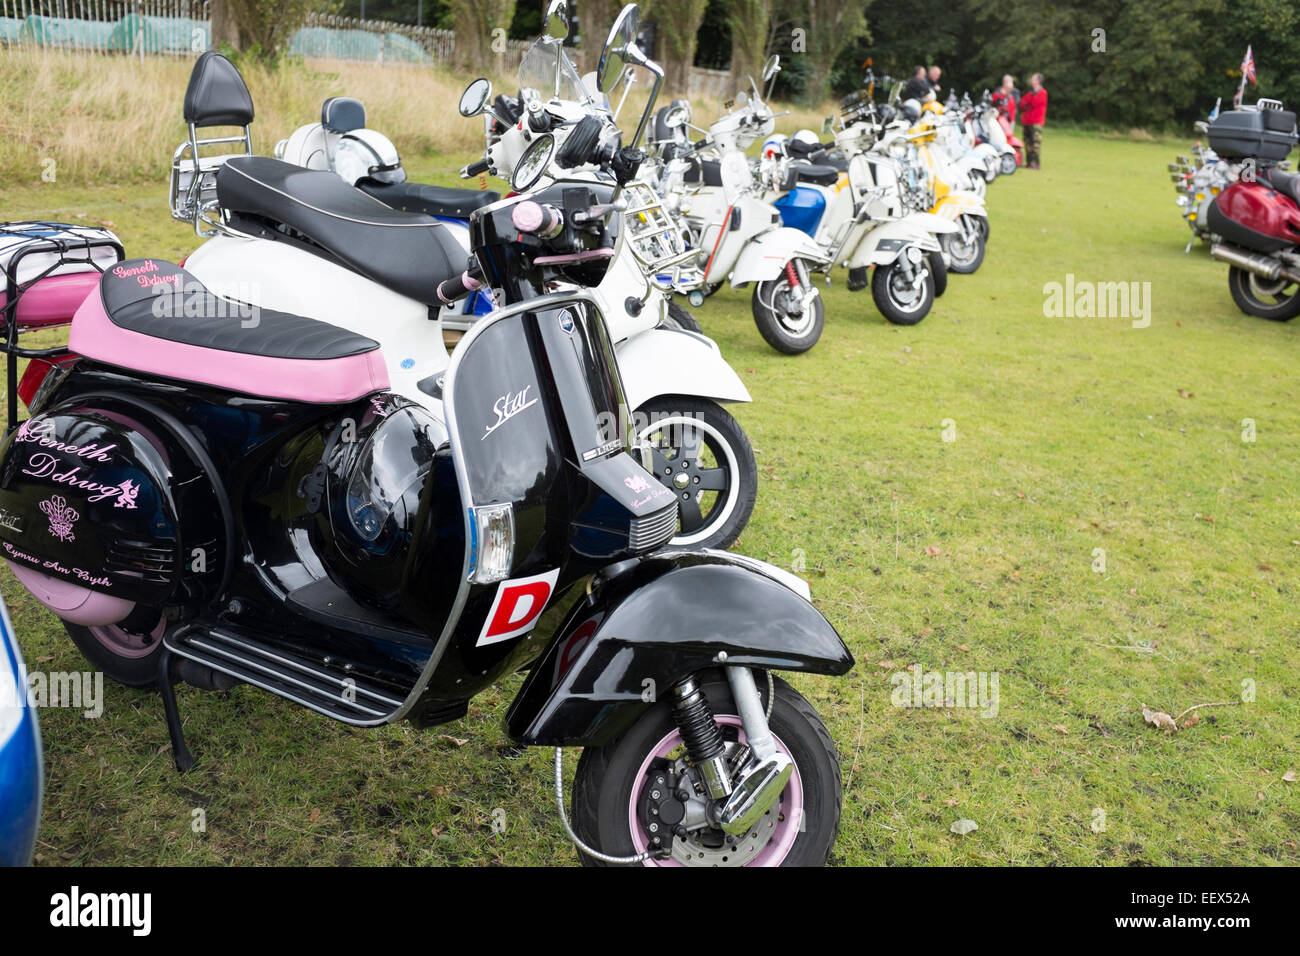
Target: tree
{"type": "Point", "coordinates": [832, 25]}
{"type": "Point", "coordinates": [264, 27]}
{"type": "Point", "coordinates": [476, 23]}
{"type": "Point", "coordinates": [225, 28]}
{"type": "Point", "coordinates": [595, 17]}
{"type": "Point", "coordinates": [748, 20]}
{"type": "Point", "coordinates": [678, 22]}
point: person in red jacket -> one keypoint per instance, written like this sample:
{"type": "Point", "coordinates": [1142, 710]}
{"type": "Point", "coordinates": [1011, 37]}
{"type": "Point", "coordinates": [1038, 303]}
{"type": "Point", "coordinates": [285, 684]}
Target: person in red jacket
{"type": "Point", "coordinates": [1005, 97]}
{"type": "Point", "coordinates": [1033, 115]}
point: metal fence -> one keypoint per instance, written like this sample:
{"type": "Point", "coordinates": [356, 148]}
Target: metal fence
{"type": "Point", "coordinates": [183, 28]}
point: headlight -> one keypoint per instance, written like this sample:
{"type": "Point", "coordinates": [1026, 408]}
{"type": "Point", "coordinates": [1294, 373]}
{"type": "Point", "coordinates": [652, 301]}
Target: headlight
{"type": "Point", "coordinates": [493, 546]}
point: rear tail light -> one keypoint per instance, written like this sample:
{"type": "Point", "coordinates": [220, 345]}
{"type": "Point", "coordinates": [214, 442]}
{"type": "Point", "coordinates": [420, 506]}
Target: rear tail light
{"type": "Point", "coordinates": [34, 376]}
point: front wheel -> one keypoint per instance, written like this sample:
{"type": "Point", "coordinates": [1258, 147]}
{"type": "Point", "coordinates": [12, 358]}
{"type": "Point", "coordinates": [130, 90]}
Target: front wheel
{"type": "Point", "coordinates": [783, 319]}
{"type": "Point", "coordinates": [965, 247]}
{"type": "Point", "coordinates": [679, 318]}
{"type": "Point", "coordinates": [1277, 299]}
{"type": "Point", "coordinates": [1009, 163]}
{"type": "Point", "coordinates": [901, 299]}
{"type": "Point", "coordinates": [699, 452]}
{"type": "Point", "coordinates": [618, 788]}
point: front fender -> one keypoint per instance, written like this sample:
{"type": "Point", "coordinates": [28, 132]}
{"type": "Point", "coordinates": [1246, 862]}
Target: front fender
{"type": "Point", "coordinates": [674, 362]}
{"type": "Point", "coordinates": [639, 632]}
{"type": "Point", "coordinates": [960, 202]}
{"type": "Point", "coordinates": [766, 254]}
{"type": "Point", "coordinates": [886, 242]}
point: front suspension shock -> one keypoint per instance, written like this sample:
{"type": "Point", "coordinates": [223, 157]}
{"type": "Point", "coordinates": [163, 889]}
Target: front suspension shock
{"type": "Point", "coordinates": [792, 275]}
{"type": "Point", "coordinates": [702, 737]}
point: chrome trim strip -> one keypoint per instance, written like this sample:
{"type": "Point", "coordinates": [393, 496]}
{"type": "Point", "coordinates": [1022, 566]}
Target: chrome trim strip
{"type": "Point", "coordinates": [310, 705]}
{"type": "Point", "coordinates": [323, 676]}
{"type": "Point", "coordinates": [231, 655]}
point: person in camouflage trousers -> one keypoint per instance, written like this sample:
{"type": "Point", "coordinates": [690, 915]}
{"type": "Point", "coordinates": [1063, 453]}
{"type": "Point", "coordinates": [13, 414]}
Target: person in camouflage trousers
{"type": "Point", "coordinates": [1033, 114]}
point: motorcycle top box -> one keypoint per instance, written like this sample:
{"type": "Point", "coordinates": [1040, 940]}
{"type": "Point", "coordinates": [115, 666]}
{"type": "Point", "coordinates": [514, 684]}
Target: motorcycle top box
{"type": "Point", "coordinates": [1267, 135]}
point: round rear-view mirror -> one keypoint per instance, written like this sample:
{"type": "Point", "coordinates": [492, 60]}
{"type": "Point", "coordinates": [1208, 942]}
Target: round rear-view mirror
{"type": "Point", "coordinates": [474, 100]}
{"type": "Point", "coordinates": [616, 54]}
{"type": "Point", "coordinates": [557, 20]}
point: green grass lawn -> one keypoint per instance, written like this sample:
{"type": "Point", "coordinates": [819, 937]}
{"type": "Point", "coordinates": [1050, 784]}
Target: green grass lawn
{"type": "Point", "coordinates": [976, 554]}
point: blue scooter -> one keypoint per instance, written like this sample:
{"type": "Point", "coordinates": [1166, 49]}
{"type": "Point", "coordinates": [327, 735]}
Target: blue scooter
{"type": "Point", "coordinates": [20, 754]}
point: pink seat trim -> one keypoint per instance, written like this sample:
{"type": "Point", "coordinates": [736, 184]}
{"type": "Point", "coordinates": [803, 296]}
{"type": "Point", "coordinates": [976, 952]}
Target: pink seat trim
{"type": "Point", "coordinates": [52, 300]}
{"type": "Point", "coordinates": [325, 381]}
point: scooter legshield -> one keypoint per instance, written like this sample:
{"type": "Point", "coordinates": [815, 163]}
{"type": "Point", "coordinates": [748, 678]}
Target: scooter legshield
{"type": "Point", "coordinates": [639, 632]}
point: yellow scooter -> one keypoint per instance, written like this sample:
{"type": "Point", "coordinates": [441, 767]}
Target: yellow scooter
{"type": "Point", "coordinates": [932, 186]}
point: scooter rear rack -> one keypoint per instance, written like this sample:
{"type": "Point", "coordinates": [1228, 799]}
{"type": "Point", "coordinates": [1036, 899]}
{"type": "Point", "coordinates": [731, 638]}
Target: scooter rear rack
{"type": "Point", "coordinates": [67, 249]}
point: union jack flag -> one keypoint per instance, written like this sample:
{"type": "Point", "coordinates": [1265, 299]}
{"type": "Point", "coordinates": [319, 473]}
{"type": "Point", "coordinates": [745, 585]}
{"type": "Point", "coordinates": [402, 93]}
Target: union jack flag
{"type": "Point", "coordinates": [1248, 66]}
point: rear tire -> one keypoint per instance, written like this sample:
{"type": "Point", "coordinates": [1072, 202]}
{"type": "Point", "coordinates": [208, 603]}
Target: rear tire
{"type": "Point", "coordinates": [609, 779]}
{"type": "Point", "coordinates": [125, 656]}
{"type": "Point", "coordinates": [1278, 301]}
{"type": "Point", "coordinates": [938, 272]}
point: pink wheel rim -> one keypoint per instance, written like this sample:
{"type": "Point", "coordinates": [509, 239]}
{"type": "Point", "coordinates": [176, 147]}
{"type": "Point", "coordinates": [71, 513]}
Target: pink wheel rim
{"type": "Point", "coordinates": [789, 805]}
{"type": "Point", "coordinates": [125, 644]}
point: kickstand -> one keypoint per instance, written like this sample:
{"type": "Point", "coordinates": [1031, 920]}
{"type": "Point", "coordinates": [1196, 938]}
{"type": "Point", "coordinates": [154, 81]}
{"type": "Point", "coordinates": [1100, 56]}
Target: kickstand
{"type": "Point", "coordinates": [181, 752]}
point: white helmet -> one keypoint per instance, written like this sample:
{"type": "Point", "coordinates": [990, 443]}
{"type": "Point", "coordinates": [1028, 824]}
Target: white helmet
{"type": "Point", "coordinates": [367, 154]}
{"type": "Point", "coordinates": [774, 146]}
{"type": "Point", "coordinates": [807, 136]}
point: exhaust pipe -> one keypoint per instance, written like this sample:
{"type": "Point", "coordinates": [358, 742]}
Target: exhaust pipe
{"type": "Point", "coordinates": [1262, 266]}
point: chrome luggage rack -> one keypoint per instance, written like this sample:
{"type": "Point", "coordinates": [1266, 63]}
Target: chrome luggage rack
{"type": "Point", "coordinates": [66, 248]}
{"type": "Point", "coordinates": [192, 194]}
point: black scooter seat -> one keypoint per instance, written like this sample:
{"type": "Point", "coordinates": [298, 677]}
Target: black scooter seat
{"type": "Point", "coordinates": [817, 175]}
{"type": "Point", "coordinates": [438, 201]}
{"type": "Point", "coordinates": [407, 252]}
{"type": "Point", "coordinates": [1288, 184]}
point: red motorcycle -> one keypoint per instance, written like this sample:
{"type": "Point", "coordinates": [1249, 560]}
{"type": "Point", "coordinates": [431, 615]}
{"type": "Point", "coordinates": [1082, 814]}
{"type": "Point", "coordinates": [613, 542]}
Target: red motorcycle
{"type": "Point", "coordinates": [1256, 221]}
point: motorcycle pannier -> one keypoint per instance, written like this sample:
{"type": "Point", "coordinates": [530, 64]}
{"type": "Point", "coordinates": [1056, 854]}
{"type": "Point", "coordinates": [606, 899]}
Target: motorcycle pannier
{"type": "Point", "coordinates": [1265, 135]}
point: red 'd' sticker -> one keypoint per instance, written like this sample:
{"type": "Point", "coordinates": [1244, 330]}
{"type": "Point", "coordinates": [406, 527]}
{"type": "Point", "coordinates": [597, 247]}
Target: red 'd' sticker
{"type": "Point", "coordinates": [518, 605]}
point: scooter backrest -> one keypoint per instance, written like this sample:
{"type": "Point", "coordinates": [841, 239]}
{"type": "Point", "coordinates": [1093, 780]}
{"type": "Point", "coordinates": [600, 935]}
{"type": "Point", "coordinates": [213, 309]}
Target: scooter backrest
{"type": "Point", "coordinates": [342, 114]}
{"type": "Point", "coordinates": [217, 95]}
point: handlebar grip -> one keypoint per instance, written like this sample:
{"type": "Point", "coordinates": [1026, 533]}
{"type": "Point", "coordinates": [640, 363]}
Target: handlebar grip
{"type": "Point", "coordinates": [535, 217]}
{"type": "Point", "coordinates": [475, 169]}
{"type": "Point", "coordinates": [457, 287]}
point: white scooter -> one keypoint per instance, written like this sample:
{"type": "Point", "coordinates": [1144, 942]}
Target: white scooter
{"type": "Point", "coordinates": [860, 218]}
{"type": "Point", "coordinates": [736, 234]}
{"type": "Point", "coordinates": [294, 238]}
{"type": "Point", "coordinates": [366, 158]}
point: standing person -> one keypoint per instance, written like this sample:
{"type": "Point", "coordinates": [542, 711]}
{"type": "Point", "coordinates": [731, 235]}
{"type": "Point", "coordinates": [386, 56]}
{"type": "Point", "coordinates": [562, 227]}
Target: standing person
{"type": "Point", "coordinates": [1005, 98]}
{"type": "Point", "coordinates": [1033, 116]}
{"type": "Point", "coordinates": [935, 73]}
{"type": "Point", "coordinates": [918, 87]}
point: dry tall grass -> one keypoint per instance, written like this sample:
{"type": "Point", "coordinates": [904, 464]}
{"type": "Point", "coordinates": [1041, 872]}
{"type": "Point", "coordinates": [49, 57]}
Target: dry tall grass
{"type": "Point", "coordinates": [118, 119]}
